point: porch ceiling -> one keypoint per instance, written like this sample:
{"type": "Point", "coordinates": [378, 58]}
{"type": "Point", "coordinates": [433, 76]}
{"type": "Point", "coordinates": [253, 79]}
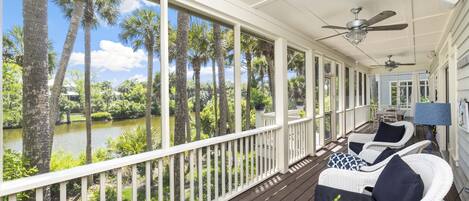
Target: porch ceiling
{"type": "Point", "coordinates": [426, 18]}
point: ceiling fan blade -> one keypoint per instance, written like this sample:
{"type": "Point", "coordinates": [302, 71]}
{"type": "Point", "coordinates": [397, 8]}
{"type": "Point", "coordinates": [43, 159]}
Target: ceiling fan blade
{"type": "Point", "coordinates": [378, 65]}
{"type": "Point", "coordinates": [331, 36]}
{"type": "Point", "coordinates": [333, 27]}
{"type": "Point", "coordinates": [388, 27]}
{"type": "Point", "coordinates": [406, 64]}
{"type": "Point", "coordinates": [380, 17]}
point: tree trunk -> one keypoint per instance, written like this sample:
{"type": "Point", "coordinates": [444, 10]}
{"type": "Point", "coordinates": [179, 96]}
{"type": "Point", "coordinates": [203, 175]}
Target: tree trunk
{"type": "Point", "coordinates": [181, 91]}
{"type": "Point", "coordinates": [196, 66]}
{"type": "Point", "coordinates": [215, 96]}
{"type": "Point", "coordinates": [148, 97]}
{"type": "Point", "coordinates": [36, 135]}
{"type": "Point", "coordinates": [68, 117]}
{"type": "Point", "coordinates": [247, 114]}
{"type": "Point", "coordinates": [67, 49]}
{"type": "Point", "coordinates": [88, 19]}
{"type": "Point", "coordinates": [221, 79]}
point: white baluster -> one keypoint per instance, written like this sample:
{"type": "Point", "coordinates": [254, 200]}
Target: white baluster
{"type": "Point", "coordinates": [119, 184]}
{"type": "Point", "coordinates": [236, 164]}
{"type": "Point", "coordinates": [63, 191]}
{"type": "Point", "coordinates": [223, 167]}
{"type": "Point", "coordinates": [39, 194]}
{"type": "Point", "coordinates": [240, 158]}
{"type": "Point", "coordinates": [209, 177]}
{"type": "Point", "coordinates": [200, 175]}
{"type": "Point", "coordinates": [171, 178]}
{"type": "Point", "coordinates": [160, 179]}
{"type": "Point", "coordinates": [12, 197]}
{"type": "Point", "coordinates": [134, 183]}
{"type": "Point", "coordinates": [148, 181]}
{"type": "Point", "coordinates": [192, 174]}
{"type": "Point", "coordinates": [181, 177]}
{"type": "Point", "coordinates": [84, 188]}
{"type": "Point", "coordinates": [102, 186]}
{"type": "Point", "coordinates": [230, 166]}
{"type": "Point", "coordinates": [216, 171]}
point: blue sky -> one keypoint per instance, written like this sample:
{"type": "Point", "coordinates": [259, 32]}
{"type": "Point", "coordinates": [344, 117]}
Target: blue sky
{"type": "Point", "coordinates": [111, 59]}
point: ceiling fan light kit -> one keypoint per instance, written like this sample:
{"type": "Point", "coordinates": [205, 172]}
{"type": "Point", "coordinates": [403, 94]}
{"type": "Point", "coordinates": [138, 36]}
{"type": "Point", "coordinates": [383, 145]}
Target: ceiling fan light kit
{"type": "Point", "coordinates": [358, 28]}
{"type": "Point", "coordinates": [356, 36]}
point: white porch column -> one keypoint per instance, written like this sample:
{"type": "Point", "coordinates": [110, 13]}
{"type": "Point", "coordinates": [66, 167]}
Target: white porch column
{"type": "Point", "coordinates": [415, 92]}
{"type": "Point", "coordinates": [321, 100]}
{"type": "Point", "coordinates": [237, 77]}
{"type": "Point", "coordinates": [164, 68]}
{"type": "Point", "coordinates": [378, 79]}
{"type": "Point", "coordinates": [281, 103]}
{"type": "Point", "coordinates": [311, 139]}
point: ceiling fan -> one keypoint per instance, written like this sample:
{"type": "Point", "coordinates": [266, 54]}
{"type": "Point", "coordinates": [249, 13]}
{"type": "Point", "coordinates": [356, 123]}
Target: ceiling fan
{"type": "Point", "coordinates": [358, 28]}
{"type": "Point", "coordinates": [391, 65]}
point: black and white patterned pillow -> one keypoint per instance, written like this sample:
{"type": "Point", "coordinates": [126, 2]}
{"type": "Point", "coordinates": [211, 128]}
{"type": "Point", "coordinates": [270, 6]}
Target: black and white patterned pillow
{"type": "Point", "coordinates": [345, 161]}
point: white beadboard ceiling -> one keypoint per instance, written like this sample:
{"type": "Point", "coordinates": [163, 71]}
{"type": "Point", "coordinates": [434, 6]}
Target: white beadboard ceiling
{"type": "Point", "coordinates": [426, 18]}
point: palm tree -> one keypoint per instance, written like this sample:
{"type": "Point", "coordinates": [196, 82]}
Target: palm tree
{"type": "Point", "coordinates": [198, 55]}
{"type": "Point", "coordinates": [248, 44]}
{"type": "Point", "coordinates": [13, 49]}
{"type": "Point", "coordinates": [219, 56]}
{"type": "Point", "coordinates": [141, 29]}
{"type": "Point", "coordinates": [35, 90]}
{"type": "Point", "coordinates": [73, 10]}
{"type": "Point", "coordinates": [181, 114]}
{"type": "Point", "coordinates": [267, 49]}
{"type": "Point", "coordinates": [108, 11]}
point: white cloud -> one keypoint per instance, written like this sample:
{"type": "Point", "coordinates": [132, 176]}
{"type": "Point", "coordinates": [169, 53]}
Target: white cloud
{"type": "Point", "coordinates": [128, 6]}
{"type": "Point", "coordinates": [112, 56]}
{"type": "Point", "coordinates": [139, 77]}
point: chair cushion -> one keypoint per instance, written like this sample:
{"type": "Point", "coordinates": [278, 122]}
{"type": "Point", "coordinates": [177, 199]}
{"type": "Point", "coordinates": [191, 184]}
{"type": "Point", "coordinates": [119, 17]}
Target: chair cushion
{"type": "Point", "coordinates": [384, 155]}
{"type": "Point", "coordinates": [345, 161]}
{"type": "Point", "coordinates": [398, 181]}
{"type": "Point", "coordinates": [355, 147]}
{"type": "Point", "coordinates": [325, 193]}
{"type": "Point", "coordinates": [389, 133]}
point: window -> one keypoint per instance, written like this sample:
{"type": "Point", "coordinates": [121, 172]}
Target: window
{"type": "Point", "coordinates": [401, 94]}
{"type": "Point", "coordinates": [360, 89]}
{"type": "Point", "coordinates": [347, 87]}
{"type": "Point", "coordinates": [424, 91]}
{"type": "Point", "coordinates": [365, 89]}
{"type": "Point", "coordinates": [316, 85]}
{"type": "Point", "coordinates": [337, 87]}
{"type": "Point", "coordinates": [296, 79]}
{"type": "Point", "coordinates": [257, 76]}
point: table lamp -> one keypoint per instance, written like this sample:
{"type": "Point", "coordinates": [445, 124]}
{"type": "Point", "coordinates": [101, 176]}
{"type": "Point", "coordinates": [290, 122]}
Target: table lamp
{"type": "Point", "coordinates": [432, 114]}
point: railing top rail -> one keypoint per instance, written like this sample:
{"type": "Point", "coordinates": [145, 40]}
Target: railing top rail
{"type": "Point", "coordinates": [297, 121]}
{"type": "Point", "coordinates": [39, 181]}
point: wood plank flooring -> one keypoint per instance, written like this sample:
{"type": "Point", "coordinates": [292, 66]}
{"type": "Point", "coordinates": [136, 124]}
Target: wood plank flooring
{"type": "Point", "coordinates": [301, 179]}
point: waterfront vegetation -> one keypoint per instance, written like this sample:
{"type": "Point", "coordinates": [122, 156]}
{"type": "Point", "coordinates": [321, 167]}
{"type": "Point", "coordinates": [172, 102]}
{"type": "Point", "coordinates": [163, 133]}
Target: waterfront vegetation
{"type": "Point", "coordinates": [82, 102]}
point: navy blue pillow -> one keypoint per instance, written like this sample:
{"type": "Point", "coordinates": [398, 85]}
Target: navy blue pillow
{"type": "Point", "coordinates": [398, 182]}
{"type": "Point", "coordinates": [389, 133]}
{"type": "Point", "coordinates": [384, 155]}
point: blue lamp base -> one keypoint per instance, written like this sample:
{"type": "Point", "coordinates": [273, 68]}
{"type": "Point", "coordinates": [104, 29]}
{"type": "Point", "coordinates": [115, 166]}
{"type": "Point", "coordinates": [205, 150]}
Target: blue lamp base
{"type": "Point", "coordinates": [429, 136]}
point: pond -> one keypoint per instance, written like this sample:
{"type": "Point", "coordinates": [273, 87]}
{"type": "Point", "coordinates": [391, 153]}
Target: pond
{"type": "Point", "coordinates": [71, 137]}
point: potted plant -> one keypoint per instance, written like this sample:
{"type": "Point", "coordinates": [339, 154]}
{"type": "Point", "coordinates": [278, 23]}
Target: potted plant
{"type": "Point", "coordinates": [259, 99]}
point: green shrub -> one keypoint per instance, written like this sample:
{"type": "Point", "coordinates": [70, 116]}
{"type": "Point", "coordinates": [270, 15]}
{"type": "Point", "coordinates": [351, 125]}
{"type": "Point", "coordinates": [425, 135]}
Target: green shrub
{"type": "Point", "coordinates": [101, 116]}
{"type": "Point", "coordinates": [14, 167]}
{"type": "Point", "coordinates": [131, 142]}
{"type": "Point", "coordinates": [124, 109]}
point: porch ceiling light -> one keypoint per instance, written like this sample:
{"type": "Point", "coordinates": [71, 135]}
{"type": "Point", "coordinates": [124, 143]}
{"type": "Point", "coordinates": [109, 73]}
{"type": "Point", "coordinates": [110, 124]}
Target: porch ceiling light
{"type": "Point", "coordinates": [356, 36]}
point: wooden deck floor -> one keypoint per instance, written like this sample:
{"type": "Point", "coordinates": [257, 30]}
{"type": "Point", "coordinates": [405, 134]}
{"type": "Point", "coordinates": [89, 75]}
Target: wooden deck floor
{"type": "Point", "coordinates": [301, 179]}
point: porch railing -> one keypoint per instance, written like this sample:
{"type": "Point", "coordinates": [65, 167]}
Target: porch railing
{"type": "Point", "coordinates": [298, 133]}
{"type": "Point", "coordinates": [234, 163]}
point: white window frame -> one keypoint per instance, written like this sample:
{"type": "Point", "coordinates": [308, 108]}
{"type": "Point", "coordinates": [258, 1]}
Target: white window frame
{"type": "Point", "coordinates": [408, 106]}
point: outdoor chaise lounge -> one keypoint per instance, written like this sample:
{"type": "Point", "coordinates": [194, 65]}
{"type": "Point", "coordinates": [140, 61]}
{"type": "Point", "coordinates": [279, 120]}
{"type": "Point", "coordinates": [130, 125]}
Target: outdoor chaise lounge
{"type": "Point", "coordinates": [367, 147]}
{"type": "Point", "coordinates": [435, 173]}
{"type": "Point", "coordinates": [382, 160]}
